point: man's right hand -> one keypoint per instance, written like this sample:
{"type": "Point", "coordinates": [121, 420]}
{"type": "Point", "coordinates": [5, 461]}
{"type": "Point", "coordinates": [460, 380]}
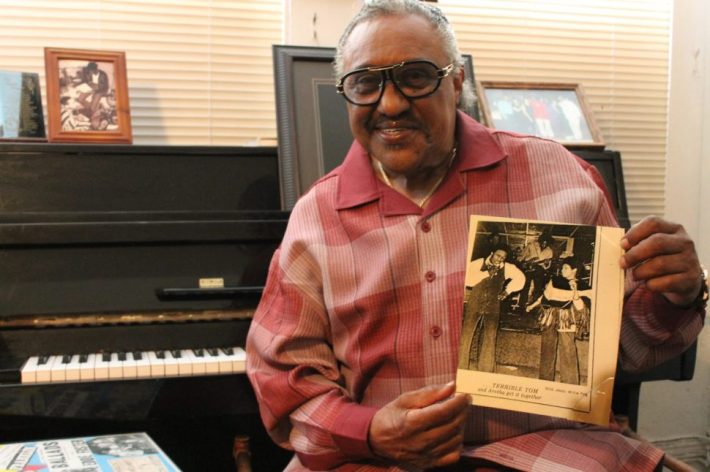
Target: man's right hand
{"type": "Point", "coordinates": [423, 428]}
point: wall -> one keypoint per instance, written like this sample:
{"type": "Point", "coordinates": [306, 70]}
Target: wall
{"type": "Point", "coordinates": [668, 410]}
{"type": "Point", "coordinates": [318, 22]}
{"type": "Point", "coordinates": [683, 409]}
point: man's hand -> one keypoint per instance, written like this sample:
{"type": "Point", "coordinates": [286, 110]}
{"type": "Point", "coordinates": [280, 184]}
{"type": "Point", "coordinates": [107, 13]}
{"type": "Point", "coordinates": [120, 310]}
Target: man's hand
{"type": "Point", "coordinates": [423, 428]}
{"type": "Point", "coordinates": [662, 255]}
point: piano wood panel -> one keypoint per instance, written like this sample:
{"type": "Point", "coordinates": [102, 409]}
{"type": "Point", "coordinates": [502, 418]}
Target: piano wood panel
{"type": "Point", "coordinates": [128, 179]}
{"type": "Point", "coordinates": [95, 229]}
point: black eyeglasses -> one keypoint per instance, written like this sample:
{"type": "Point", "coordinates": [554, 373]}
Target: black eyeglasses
{"type": "Point", "coordinates": [414, 79]}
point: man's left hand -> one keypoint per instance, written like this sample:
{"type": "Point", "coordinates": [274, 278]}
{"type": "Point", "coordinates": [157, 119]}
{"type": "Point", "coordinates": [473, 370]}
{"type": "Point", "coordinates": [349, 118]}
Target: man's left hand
{"type": "Point", "coordinates": [662, 256]}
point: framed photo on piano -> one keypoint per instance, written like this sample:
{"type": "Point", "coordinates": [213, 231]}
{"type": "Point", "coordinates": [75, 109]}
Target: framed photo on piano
{"type": "Point", "coordinates": [312, 122]}
{"type": "Point", "coordinates": [87, 96]}
{"type": "Point", "coordinates": [549, 110]}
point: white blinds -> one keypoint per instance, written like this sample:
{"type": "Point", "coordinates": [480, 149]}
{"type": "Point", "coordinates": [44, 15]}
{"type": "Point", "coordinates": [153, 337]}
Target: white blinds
{"type": "Point", "coordinates": [199, 71]}
{"type": "Point", "coordinates": [617, 49]}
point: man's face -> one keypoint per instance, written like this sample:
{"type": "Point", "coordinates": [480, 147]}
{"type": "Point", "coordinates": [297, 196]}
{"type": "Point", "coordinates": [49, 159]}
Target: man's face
{"type": "Point", "coordinates": [409, 137]}
{"type": "Point", "coordinates": [568, 272]}
{"type": "Point", "coordinates": [498, 257]}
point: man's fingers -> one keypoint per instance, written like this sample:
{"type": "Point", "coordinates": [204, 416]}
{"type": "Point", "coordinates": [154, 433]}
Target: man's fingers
{"type": "Point", "coordinates": [441, 413]}
{"type": "Point", "coordinates": [655, 245]}
{"type": "Point", "coordinates": [426, 396]}
{"type": "Point", "coordinates": [646, 227]}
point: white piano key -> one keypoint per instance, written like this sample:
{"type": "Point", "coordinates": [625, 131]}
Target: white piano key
{"type": "Point", "coordinates": [232, 357]}
{"type": "Point", "coordinates": [157, 364]}
{"type": "Point", "coordinates": [72, 369]}
{"type": "Point", "coordinates": [87, 367]}
{"type": "Point", "coordinates": [185, 363]}
{"type": "Point", "coordinates": [115, 367]}
{"type": "Point", "coordinates": [171, 365]}
{"type": "Point", "coordinates": [142, 364]}
{"type": "Point", "coordinates": [59, 369]}
{"type": "Point", "coordinates": [44, 369]}
{"type": "Point", "coordinates": [211, 361]}
{"type": "Point", "coordinates": [28, 372]}
{"type": "Point", "coordinates": [130, 369]}
{"type": "Point", "coordinates": [101, 365]}
{"type": "Point", "coordinates": [197, 362]}
{"type": "Point", "coordinates": [240, 360]}
{"type": "Point", "coordinates": [225, 362]}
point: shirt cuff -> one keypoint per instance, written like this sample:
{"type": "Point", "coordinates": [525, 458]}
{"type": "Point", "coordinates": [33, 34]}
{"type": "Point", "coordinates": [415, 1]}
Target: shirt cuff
{"type": "Point", "coordinates": [666, 318]}
{"type": "Point", "coordinates": [352, 434]}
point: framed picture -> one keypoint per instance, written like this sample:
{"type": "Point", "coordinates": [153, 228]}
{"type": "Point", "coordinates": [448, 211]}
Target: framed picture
{"type": "Point", "coordinates": [312, 121]}
{"type": "Point", "coordinates": [608, 163]}
{"type": "Point", "coordinates": [21, 117]}
{"type": "Point", "coordinates": [548, 110]}
{"type": "Point", "coordinates": [87, 96]}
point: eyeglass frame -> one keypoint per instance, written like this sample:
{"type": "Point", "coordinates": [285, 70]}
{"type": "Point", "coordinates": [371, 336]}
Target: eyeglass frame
{"type": "Point", "coordinates": [386, 73]}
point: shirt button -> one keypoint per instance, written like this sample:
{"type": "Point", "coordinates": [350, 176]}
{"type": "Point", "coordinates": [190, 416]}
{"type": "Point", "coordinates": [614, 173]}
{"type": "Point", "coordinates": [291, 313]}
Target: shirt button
{"type": "Point", "coordinates": [430, 276]}
{"type": "Point", "coordinates": [435, 331]}
{"type": "Point", "coordinates": [426, 226]}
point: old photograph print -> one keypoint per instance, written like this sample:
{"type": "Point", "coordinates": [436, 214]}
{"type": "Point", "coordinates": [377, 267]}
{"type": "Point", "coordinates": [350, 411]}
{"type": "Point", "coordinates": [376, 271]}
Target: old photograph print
{"type": "Point", "coordinates": [527, 303]}
{"type": "Point", "coordinates": [541, 317]}
{"type": "Point", "coordinates": [87, 95]}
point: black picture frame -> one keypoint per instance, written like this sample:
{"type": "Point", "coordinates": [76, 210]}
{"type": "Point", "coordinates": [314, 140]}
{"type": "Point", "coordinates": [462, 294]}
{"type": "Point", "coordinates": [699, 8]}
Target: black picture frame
{"type": "Point", "coordinates": [608, 163]}
{"type": "Point", "coordinates": [312, 123]}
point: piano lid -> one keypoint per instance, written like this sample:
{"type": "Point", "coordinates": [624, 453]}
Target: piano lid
{"type": "Point", "coordinates": [104, 230]}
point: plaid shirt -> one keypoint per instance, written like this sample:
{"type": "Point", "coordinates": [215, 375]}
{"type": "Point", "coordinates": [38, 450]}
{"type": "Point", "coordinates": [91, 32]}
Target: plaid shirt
{"type": "Point", "coordinates": [364, 302]}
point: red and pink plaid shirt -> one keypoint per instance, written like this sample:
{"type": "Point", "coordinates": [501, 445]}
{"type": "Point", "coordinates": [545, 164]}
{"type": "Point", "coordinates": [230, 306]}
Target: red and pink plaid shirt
{"type": "Point", "coordinates": [364, 302]}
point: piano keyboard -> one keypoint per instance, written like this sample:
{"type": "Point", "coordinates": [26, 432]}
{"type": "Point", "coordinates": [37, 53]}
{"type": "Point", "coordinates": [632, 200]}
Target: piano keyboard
{"type": "Point", "coordinates": [133, 365]}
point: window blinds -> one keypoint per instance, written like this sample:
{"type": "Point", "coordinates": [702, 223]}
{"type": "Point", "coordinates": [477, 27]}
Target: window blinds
{"type": "Point", "coordinates": [199, 71]}
{"type": "Point", "coordinates": [617, 49]}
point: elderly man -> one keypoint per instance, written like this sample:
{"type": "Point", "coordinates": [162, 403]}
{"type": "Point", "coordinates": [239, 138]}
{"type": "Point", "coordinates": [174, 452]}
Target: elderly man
{"type": "Point", "coordinates": [353, 349]}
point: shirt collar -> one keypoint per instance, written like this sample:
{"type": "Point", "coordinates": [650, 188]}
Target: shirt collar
{"type": "Point", "coordinates": [357, 183]}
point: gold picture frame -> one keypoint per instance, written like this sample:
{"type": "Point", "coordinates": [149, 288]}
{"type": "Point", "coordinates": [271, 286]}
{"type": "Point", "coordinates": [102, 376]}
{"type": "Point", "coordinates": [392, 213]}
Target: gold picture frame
{"type": "Point", "coordinates": [557, 111]}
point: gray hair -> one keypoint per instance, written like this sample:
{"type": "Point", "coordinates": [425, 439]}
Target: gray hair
{"type": "Point", "coordinates": [372, 9]}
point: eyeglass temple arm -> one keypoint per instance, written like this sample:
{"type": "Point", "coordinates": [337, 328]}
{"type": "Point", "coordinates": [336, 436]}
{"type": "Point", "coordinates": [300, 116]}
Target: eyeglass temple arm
{"type": "Point", "coordinates": [441, 73]}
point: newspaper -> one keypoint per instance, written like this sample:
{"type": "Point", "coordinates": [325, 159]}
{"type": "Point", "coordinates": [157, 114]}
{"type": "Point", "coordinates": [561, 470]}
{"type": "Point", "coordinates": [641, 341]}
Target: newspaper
{"type": "Point", "coordinates": [542, 317]}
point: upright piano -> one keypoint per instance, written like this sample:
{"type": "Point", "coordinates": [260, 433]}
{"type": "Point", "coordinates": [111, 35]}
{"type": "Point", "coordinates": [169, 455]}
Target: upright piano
{"type": "Point", "coordinates": [128, 277]}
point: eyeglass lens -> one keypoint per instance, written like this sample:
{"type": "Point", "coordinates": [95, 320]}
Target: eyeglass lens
{"type": "Point", "coordinates": [412, 79]}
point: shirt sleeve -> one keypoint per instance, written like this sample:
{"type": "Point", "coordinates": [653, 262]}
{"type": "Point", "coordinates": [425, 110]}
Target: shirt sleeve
{"type": "Point", "coordinates": [517, 278]}
{"type": "Point", "coordinates": [653, 330]}
{"type": "Point", "coordinates": [292, 366]}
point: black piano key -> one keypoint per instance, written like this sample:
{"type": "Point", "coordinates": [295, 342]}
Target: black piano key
{"type": "Point", "coordinates": [228, 350]}
{"type": "Point", "coordinates": [121, 356]}
{"type": "Point", "coordinates": [137, 355]}
{"type": "Point", "coordinates": [199, 352]}
{"type": "Point", "coordinates": [106, 356]}
{"type": "Point", "coordinates": [212, 351]}
{"type": "Point", "coordinates": [176, 353]}
{"type": "Point", "coordinates": [41, 360]}
{"type": "Point", "coordinates": [83, 358]}
{"type": "Point", "coordinates": [160, 354]}
{"type": "Point", "coordinates": [66, 358]}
